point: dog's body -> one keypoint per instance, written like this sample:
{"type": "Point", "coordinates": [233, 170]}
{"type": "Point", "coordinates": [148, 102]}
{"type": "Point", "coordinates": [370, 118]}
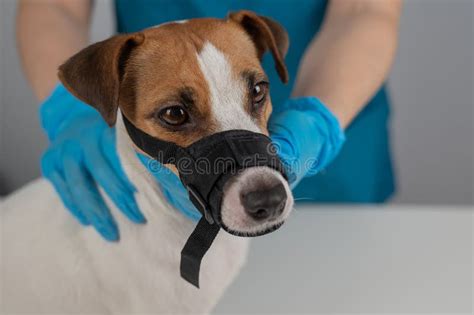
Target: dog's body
{"type": "Point", "coordinates": [53, 265]}
{"type": "Point", "coordinates": [50, 264]}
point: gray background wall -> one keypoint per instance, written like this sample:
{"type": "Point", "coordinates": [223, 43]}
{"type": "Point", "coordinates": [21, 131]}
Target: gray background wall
{"type": "Point", "coordinates": [431, 85]}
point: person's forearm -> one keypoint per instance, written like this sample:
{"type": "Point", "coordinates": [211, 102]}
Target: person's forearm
{"type": "Point", "coordinates": [49, 32]}
{"type": "Point", "coordinates": [350, 58]}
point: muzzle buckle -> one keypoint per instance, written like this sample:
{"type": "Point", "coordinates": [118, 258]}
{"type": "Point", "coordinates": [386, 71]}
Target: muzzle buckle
{"type": "Point", "coordinates": [205, 209]}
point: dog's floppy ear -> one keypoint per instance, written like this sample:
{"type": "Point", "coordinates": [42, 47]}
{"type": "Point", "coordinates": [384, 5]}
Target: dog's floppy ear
{"type": "Point", "coordinates": [94, 74]}
{"type": "Point", "coordinates": [266, 35]}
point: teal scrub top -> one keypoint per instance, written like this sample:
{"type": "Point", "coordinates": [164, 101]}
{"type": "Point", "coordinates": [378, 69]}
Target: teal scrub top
{"type": "Point", "coordinates": [362, 172]}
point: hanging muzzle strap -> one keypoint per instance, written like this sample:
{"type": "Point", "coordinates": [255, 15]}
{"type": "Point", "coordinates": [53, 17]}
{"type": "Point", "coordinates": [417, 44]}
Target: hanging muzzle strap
{"type": "Point", "coordinates": [223, 154]}
{"type": "Point", "coordinates": [195, 248]}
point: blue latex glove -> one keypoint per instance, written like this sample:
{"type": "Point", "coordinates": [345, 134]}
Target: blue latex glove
{"type": "Point", "coordinates": [307, 136]}
{"type": "Point", "coordinates": [82, 155]}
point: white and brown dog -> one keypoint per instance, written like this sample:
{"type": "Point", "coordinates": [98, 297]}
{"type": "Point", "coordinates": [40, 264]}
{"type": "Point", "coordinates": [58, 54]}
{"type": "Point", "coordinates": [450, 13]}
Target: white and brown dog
{"type": "Point", "coordinates": [180, 81]}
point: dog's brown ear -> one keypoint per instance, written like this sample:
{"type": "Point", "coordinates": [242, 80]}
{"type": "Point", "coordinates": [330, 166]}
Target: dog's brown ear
{"type": "Point", "coordinates": [94, 74]}
{"type": "Point", "coordinates": [267, 35]}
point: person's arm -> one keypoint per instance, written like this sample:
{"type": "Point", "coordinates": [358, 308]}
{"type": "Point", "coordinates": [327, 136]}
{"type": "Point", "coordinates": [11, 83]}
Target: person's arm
{"type": "Point", "coordinates": [350, 58]}
{"type": "Point", "coordinates": [49, 32]}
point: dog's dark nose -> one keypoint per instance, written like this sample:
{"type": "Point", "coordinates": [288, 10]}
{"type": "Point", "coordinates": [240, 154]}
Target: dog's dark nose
{"type": "Point", "coordinates": [265, 203]}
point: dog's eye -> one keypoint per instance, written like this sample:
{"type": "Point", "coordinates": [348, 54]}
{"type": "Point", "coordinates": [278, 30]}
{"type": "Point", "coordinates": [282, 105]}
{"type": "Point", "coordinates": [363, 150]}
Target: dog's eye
{"type": "Point", "coordinates": [174, 115]}
{"type": "Point", "coordinates": [259, 92]}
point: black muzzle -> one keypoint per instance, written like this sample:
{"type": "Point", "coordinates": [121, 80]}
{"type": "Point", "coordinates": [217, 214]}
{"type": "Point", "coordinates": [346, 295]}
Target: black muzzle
{"type": "Point", "coordinates": [204, 168]}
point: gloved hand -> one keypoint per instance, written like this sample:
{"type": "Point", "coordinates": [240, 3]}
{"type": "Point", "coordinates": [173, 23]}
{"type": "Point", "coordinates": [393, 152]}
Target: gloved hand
{"type": "Point", "coordinates": [82, 155]}
{"type": "Point", "coordinates": [307, 136]}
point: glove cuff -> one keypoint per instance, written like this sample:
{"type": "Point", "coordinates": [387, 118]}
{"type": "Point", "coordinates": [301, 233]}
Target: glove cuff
{"type": "Point", "coordinates": [58, 108]}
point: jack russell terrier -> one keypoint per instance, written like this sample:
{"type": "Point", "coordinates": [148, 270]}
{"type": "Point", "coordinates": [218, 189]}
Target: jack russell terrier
{"type": "Point", "coordinates": [179, 82]}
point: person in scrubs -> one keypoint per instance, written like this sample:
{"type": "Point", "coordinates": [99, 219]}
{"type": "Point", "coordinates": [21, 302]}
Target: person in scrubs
{"type": "Point", "coordinates": [340, 52]}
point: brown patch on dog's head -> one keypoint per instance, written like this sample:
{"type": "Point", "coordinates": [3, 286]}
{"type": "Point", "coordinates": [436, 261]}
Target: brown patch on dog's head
{"type": "Point", "coordinates": [144, 73]}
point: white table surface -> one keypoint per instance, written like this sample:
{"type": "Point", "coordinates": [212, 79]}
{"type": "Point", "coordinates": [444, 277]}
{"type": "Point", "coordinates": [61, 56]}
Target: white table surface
{"type": "Point", "coordinates": [389, 259]}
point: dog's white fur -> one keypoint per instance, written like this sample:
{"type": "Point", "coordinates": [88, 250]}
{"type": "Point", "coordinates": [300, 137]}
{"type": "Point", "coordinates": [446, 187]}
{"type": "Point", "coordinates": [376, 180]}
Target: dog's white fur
{"type": "Point", "coordinates": [227, 92]}
{"type": "Point", "coordinates": [52, 265]}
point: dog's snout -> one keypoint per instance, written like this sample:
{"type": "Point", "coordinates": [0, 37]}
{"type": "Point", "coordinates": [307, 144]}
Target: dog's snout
{"type": "Point", "coordinates": [256, 200]}
{"type": "Point", "coordinates": [265, 203]}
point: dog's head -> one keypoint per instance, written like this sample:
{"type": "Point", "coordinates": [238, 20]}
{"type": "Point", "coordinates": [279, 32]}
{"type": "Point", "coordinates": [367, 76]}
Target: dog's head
{"type": "Point", "coordinates": [182, 81]}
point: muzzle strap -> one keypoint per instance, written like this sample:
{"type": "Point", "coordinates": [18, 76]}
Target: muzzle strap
{"type": "Point", "coordinates": [162, 151]}
{"type": "Point", "coordinates": [195, 248]}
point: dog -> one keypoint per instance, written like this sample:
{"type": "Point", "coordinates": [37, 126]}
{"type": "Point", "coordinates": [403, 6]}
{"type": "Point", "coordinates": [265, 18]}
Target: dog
{"type": "Point", "coordinates": [179, 81]}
